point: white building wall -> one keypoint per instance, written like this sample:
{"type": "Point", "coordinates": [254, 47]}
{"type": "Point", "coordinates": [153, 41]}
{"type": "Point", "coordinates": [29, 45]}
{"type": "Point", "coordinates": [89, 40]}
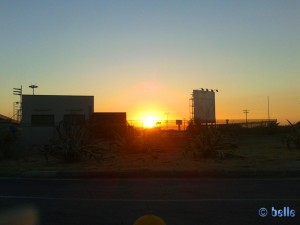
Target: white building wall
{"type": "Point", "coordinates": [57, 105]}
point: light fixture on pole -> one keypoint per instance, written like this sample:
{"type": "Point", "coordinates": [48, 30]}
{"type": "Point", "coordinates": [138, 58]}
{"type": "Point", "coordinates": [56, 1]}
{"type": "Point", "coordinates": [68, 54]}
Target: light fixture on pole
{"type": "Point", "coordinates": [33, 87]}
{"type": "Point", "coordinates": [17, 91]}
{"type": "Point", "coordinates": [208, 89]}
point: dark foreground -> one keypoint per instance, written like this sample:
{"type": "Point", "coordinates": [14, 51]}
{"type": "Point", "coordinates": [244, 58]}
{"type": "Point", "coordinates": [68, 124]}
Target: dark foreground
{"type": "Point", "coordinates": [177, 201]}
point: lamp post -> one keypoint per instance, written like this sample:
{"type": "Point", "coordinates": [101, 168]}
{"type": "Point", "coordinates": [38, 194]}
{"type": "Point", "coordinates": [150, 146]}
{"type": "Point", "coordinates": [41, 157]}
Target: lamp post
{"type": "Point", "coordinates": [33, 87]}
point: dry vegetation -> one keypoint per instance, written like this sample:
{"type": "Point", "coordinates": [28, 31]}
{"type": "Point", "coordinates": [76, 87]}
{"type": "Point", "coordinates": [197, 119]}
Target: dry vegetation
{"type": "Point", "coordinates": [155, 150]}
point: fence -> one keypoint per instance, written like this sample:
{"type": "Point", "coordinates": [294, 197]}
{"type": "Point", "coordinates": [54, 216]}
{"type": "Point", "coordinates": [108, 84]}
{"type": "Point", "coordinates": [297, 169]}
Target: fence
{"type": "Point", "coordinates": [164, 124]}
{"type": "Point", "coordinates": [171, 124]}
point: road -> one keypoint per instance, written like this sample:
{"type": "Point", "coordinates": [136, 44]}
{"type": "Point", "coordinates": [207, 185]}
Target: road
{"type": "Point", "coordinates": [177, 201]}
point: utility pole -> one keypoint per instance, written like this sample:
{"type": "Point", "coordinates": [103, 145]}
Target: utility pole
{"type": "Point", "coordinates": [246, 111]}
{"type": "Point", "coordinates": [167, 115]}
{"type": "Point", "coordinates": [268, 108]}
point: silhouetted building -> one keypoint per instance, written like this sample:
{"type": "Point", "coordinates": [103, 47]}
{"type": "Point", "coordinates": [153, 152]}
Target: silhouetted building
{"type": "Point", "coordinates": [5, 119]}
{"type": "Point", "coordinates": [42, 113]}
{"type": "Point", "coordinates": [108, 124]}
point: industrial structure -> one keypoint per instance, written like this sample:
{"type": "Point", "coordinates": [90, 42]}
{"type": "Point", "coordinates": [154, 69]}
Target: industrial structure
{"type": "Point", "coordinates": [17, 106]}
{"type": "Point", "coordinates": [203, 106]}
{"type": "Point", "coordinates": [41, 113]}
{"type": "Point", "coordinates": [108, 124]}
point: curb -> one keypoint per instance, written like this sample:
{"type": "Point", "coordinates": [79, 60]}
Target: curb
{"type": "Point", "coordinates": [179, 174]}
{"type": "Point", "coordinates": [152, 174]}
{"type": "Point", "coordinates": [45, 174]}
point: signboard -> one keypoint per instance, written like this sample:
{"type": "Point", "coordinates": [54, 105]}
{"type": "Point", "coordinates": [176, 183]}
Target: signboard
{"type": "Point", "coordinates": [204, 106]}
{"type": "Point", "coordinates": [178, 122]}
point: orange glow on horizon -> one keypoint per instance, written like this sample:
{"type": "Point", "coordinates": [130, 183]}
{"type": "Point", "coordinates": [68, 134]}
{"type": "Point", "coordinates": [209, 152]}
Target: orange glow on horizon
{"type": "Point", "coordinates": [149, 119]}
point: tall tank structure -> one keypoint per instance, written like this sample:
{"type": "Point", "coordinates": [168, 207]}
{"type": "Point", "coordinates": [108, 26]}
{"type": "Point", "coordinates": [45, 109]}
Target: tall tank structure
{"type": "Point", "coordinates": [203, 106]}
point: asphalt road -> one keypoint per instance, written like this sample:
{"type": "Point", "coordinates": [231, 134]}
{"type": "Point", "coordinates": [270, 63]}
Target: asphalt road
{"type": "Point", "coordinates": [177, 201]}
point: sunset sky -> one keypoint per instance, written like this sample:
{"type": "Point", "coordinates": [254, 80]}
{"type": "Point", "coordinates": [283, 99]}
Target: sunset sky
{"type": "Point", "coordinates": [146, 57]}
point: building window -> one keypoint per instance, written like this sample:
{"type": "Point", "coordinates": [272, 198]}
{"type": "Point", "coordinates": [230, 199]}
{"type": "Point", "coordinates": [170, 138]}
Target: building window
{"type": "Point", "coordinates": [42, 120]}
{"type": "Point", "coordinates": [72, 119]}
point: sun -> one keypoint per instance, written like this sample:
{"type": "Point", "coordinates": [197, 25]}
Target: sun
{"type": "Point", "coordinates": [149, 118]}
{"type": "Point", "coordinates": [149, 121]}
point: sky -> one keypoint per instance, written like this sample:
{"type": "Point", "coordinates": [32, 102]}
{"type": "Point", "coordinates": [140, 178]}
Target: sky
{"type": "Point", "coordinates": [146, 57]}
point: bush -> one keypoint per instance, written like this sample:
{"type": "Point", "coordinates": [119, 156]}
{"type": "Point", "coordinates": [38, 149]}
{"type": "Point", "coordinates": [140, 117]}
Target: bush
{"type": "Point", "coordinates": [293, 140]}
{"type": "Point", "coordinates": [10, 142]}
{"type": "Point", "coordinates": [71, 144]}
{"type": "Point", "coordinates": [209, 142]}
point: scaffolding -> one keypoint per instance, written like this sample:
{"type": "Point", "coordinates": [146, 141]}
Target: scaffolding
{"type": "Point", "coordinates": [17, 106]}
{"type": "Point", "coordinates": [191, 107]}
{"type": "Point", "coordinates": [17, 111]}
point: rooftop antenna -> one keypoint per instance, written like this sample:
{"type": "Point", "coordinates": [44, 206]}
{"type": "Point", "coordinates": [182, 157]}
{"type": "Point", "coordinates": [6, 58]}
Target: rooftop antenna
{"type": "Point", "coordinates": [33, 87]}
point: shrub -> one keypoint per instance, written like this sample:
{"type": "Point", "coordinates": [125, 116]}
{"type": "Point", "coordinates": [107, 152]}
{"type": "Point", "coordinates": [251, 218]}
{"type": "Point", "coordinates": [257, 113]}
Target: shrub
{"type": "Point", "coordinates": [293, 140]}
{"type": "Point", "coordinates": [10, 142]}
{"type": "Point", "coordinates": [209, 142]}
{"type": "Point", "coordinates": [72, 144]}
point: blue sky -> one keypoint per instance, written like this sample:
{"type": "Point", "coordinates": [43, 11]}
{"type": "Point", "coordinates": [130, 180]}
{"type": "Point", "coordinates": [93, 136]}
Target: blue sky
{"type": "Point", "coordinates": [147, 56]}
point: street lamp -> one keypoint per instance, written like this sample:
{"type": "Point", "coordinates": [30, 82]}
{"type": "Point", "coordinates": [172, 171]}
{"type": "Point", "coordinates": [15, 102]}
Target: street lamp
{"type": "Point", "coordinates": [33, 87]}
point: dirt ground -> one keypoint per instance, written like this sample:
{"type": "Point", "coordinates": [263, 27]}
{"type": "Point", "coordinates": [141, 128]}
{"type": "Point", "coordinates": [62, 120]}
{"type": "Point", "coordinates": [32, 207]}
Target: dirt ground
{"type": "Point", "coordinates": [167, 152]}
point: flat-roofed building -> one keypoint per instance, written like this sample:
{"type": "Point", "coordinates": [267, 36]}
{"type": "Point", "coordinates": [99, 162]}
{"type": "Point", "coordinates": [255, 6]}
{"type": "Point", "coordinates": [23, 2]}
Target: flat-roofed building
{"type": "Point", "coordinates": [108, 124]}
{"type": "Point", "coordinates": [42, 113]}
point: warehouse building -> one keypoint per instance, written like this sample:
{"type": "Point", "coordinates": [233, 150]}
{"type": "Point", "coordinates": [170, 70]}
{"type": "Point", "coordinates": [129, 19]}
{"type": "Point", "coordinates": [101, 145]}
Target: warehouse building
{"type": "Point", "coordinates": [42, 113]}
